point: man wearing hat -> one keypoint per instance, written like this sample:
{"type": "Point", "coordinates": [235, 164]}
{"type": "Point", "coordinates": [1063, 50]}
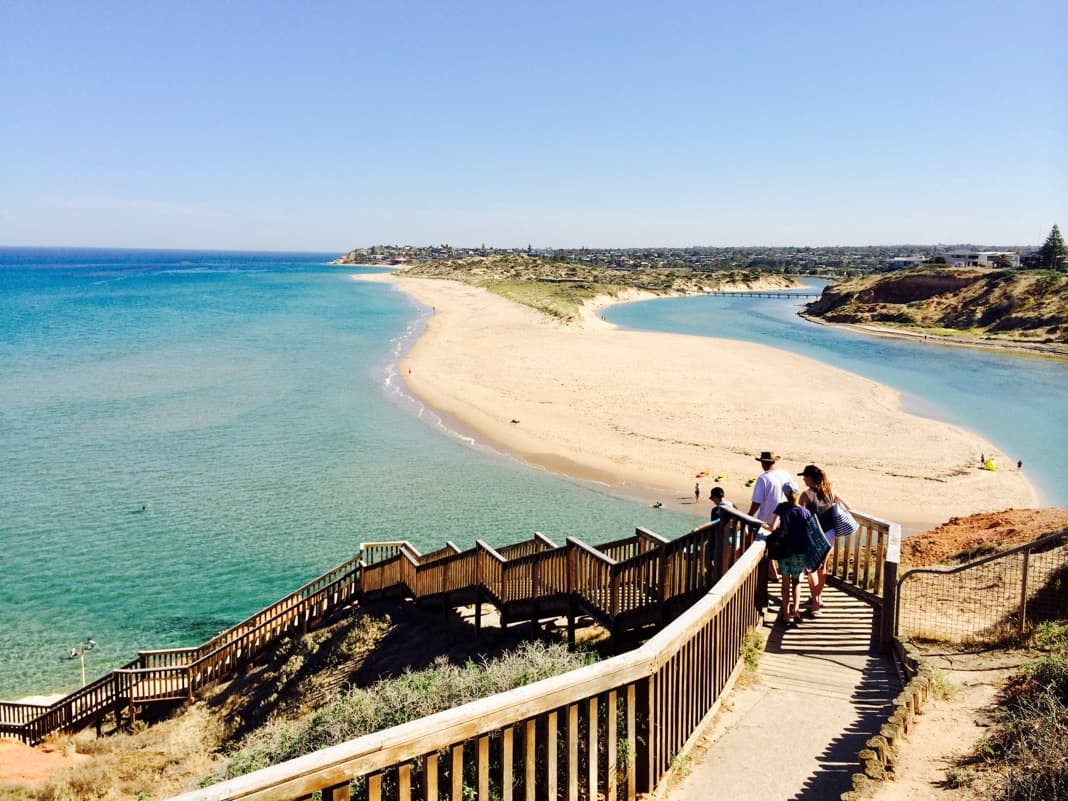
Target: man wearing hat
{"type": "Point", "coordinates": [767, 491]}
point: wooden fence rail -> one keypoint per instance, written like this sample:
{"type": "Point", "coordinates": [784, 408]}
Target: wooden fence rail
{"type": "Point", "coordinates": [630, 582]}
{"type": "Point", "coordinates": [857, 562]}
{"type": "Point", "coordinates": [608, 730]}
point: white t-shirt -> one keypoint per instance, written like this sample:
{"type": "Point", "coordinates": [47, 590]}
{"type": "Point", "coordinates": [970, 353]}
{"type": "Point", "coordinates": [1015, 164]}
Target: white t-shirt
{"type": "Point", "coordinates": [767, 491]}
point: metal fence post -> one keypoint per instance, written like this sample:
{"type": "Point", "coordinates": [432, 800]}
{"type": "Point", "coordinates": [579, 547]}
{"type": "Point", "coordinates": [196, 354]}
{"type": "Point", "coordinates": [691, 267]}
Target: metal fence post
{"type": "Point", "coordinates": [888, 612]}
{"type": "Point", "coordinates": [1023, 590]}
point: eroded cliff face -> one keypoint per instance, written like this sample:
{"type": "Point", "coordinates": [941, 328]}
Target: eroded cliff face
{"type": "Point", "coordinates": [1027, 305]}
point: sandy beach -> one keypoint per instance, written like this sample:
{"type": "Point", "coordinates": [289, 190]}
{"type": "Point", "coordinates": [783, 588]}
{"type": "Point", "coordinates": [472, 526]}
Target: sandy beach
{"type": "Point", "coordinates": [644, 413]}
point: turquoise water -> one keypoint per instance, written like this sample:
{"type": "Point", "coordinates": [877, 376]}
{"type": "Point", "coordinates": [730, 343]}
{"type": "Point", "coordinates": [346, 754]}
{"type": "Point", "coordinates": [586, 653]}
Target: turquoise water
{"type": "Point", "coordinates": [1017, 402]}
{"type": "Point", "coordinates": [249, 402]}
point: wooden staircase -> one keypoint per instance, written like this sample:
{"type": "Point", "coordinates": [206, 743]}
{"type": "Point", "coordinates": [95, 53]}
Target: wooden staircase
{"type": "Point", "coordinates": [626, 585]}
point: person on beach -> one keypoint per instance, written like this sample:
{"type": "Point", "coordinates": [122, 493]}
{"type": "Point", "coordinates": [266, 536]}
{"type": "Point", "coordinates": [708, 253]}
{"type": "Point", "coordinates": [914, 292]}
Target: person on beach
{"type": "Point", "coordinates": [793, 519]}
{"type": "Point", "coordinates": [819, 498]}
{"type": "Point", "coordinates": [767, 494]}
{"type": "Point", "coordinates": [697, 492]}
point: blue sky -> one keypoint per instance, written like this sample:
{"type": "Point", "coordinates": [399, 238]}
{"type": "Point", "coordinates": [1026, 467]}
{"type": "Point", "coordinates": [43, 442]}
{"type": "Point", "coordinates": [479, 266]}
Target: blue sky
{"type": "Point", "coordinates": [325, 126]}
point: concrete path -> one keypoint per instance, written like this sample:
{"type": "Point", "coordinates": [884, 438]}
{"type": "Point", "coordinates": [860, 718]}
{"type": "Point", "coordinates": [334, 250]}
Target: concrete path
{"type": "Point", "coordinates": [794, 732]}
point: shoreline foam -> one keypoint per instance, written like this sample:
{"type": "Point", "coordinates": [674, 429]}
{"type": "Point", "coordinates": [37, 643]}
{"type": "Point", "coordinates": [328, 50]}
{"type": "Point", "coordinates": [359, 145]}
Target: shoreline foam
{"type": "Point", "coordinates": [645, 412]}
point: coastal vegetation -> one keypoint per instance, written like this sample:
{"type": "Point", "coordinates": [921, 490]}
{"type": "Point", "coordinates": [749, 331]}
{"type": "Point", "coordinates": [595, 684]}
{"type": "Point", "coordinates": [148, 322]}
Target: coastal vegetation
{"type": "Point", "coordinates": [1018, 306]}
{"type": "Point", "coordinates": [411, 695]}
{"type": "Point", "coordinates": [1025, 758]}
{"type": "Point", "coordinates": [1021, 306]}
{"type": "Point", "coordinates": [559, 288]}
{"type": "Point", "coordinates": [360, 674]}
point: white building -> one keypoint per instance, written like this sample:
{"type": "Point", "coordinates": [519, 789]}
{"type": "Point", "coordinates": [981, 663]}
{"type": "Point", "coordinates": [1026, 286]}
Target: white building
{"type": "Point", "coordinates": [963, 257]}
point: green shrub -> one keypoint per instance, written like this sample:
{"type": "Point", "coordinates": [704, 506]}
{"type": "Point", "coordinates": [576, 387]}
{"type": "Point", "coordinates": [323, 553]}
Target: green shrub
{"type": "Point", "coordinates": [752, 648]}
{"type": "Point", "coordinates": [1052, 636]}
{"type": "Point", "coordinates": [412, 695]}
{"type": "Point", "coordinates": [1030, 746]}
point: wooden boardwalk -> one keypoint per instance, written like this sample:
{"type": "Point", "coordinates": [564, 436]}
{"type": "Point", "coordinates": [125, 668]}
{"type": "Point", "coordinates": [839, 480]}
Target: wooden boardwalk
{"type": "Point", "coordinates": [610, 730]}
{"type": "Point", "coordinates": [639, 581]}
{"type": "Point", "coordinates": [820, 692]}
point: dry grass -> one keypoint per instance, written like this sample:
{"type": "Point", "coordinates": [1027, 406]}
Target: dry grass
{"type": "Point", "coordinates": [301, 685]}
{"type": "Point", "coordinates": [156, 762]}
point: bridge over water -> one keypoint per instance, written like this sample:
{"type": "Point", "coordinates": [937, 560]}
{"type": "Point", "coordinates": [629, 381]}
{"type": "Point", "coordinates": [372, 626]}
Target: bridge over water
{"type": "Point", "coordinates": [777, 295]}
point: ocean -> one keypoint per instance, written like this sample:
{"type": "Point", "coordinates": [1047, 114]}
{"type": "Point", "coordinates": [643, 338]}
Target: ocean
{"type": "Point", "coordinates": [188, 436]}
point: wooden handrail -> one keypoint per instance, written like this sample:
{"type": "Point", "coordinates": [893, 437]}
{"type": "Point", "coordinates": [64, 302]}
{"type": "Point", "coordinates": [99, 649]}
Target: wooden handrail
{"type": "Point", "coordinates": [546, 543]}
{"type": "Point", "coordinates": [590, 551]}
{"type": "Point", "coordinates": [490, 551]}
{"type": "Point", "coordinates": [682, 569]}
{"type": "Point", "coordinates": [102, 695]}
{"type": "Point", "coordinates": [856, 563]}
{"type": "Point", "coordinates": [680, 655]}
{"type": "Point", "coordinates": [651, 537]}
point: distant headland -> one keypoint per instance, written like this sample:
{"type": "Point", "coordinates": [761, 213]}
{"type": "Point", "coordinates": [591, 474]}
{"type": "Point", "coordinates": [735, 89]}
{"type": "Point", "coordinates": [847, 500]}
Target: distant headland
{"type": "Point", "coordinates": [963, 295]}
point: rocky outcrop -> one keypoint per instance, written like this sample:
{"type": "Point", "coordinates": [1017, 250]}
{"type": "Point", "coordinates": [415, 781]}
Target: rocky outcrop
{"type": "Point", "coordinates": [1021, 305]}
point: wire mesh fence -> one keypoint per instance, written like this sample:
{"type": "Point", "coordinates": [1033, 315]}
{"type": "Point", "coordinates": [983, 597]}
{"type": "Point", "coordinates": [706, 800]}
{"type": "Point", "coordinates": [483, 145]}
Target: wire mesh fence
{"type": "Point", "coordinates": [986, 599]}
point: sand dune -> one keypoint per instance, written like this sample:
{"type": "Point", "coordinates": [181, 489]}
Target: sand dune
{"type": "Point", "coordinates": [645, 412]}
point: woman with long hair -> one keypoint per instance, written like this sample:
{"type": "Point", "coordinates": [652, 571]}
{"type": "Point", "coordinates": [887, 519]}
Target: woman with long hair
{"type": "Point", "coordinates": [819, 498]}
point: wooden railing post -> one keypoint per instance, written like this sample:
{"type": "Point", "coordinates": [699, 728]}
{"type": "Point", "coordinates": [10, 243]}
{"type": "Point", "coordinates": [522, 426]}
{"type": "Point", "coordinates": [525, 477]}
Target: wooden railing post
{"type": "Point", "coordinates": [480, 555]}
{"type": "Point", "coordinates": [888, 613]}
{"type": "Point", "coordinates": [722, 551]}
{"type": "Point", "coordinates": [571, 556]}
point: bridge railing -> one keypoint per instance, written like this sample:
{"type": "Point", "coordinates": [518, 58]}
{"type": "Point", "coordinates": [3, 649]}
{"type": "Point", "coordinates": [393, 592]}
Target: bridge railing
{"type": "Point", "coordinates": [542, 574]}
{"type": "Point", "coordinates": [609, 730]}
{"type": "Point", "coordinates": [589, 576]}
{"type": "Point", "coordinates": [375, 552]}
{"type": "Point", "coordinates": [641, 541]}
{"type": "Point", "coordinates": [448, 550]}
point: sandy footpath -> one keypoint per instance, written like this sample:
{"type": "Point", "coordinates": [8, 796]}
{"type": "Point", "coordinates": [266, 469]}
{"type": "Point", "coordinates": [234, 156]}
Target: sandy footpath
{"type": "Point", "coordinates": [646, 412]}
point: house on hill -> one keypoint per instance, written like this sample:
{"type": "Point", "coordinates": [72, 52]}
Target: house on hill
{"type": "Point", "coordinates": [963, 257]}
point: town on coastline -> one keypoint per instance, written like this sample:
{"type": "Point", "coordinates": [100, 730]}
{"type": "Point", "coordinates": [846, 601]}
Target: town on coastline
{"type": "Point", "coordinates": [977, 295]}
{"type": "Point", "coordinates": [831, 262]}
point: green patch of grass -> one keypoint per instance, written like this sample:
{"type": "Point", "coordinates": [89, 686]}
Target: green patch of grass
{"type": "Point", "coordinates": [1052, 636]}
{"type": "Point", "coordinates": [941, 687]}
{"type": "Point", "coordinates": [560, 300]}
{"type": "Point", "coordinates": [752, 648]}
